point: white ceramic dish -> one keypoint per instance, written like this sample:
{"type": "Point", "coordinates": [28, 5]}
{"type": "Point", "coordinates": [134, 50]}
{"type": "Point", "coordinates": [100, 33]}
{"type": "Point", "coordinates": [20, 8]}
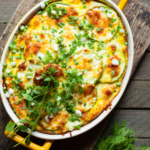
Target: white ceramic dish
{"type": "Point", "coordinates": [102, 115]}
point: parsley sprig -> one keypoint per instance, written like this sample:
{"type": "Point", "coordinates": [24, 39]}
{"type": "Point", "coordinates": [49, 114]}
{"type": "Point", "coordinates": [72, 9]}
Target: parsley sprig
{"type": "Point", "coordinates": [42, 106]}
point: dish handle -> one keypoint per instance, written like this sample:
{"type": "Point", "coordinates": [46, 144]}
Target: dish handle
{"type": "Point", "coordinates": [122, 4]}
{"type": "Point", "coordinates": [17, 138]}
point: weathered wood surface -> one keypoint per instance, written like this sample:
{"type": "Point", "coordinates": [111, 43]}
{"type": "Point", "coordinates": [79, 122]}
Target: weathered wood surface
{"type": "Point", "coordinates": [139, 19]}
{"type": "Point", "coordinates": [142, 73]}
{"type": "Point", "coordinates": [7, 8]}
{"type": "Point", "coordinates": [136, 96]}
{"type": "Point", "coordinates": [134, 105]}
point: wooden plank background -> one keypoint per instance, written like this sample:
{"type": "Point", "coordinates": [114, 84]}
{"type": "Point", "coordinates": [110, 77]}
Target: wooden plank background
{"type": "Point", "coordinates": [135, 103]}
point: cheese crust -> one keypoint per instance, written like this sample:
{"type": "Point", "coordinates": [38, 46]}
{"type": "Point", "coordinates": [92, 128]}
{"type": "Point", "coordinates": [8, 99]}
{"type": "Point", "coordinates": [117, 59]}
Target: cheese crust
{"type": "Point", "coordinates": [86, 39]}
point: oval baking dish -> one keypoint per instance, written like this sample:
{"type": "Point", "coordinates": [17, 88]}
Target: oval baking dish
{"type": "Point", "coordinates": [99, 118]}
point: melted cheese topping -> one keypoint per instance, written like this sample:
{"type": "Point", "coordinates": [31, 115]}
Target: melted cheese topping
{"type": "Point", "coordinates": [89, 38]}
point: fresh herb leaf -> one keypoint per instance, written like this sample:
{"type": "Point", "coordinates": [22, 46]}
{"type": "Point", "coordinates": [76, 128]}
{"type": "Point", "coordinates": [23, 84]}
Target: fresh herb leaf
{"type": "Point", "coordinates": [55, 96]}
{"type": "Point", "coordinates": [23, 128]}
{"type": "Point", "coordinates": [47, 79]}
{"type": "Point", "coordinates": [33, 115]}
{"type": "Point", "coordinates": [67, 95]}
{"type": "Point", "coordinates": [36, 91]}
{"type": "Point", "coordinates": [27, 97]}
{"type": "Point", "coordinates": [24, 121]}
{"type": "Point", "coordinates": [10, 126]}
{"type": "Point", "coordinates": [56, 84]}
{"type": "Point", "coordinates": [80, 90]}
{"type": "Point", "coordinates": [49, 104]}
{"type": "Point", "coordinates": [55, 109]}
{"type": "Point", "coordinates": [27, 141]}
{"type": "Point", "coordinates": [72, 89]}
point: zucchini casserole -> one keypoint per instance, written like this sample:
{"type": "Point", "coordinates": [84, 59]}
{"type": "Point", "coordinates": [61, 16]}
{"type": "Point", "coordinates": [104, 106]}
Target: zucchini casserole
{"type": "Point", "coordinates": [66, 65]}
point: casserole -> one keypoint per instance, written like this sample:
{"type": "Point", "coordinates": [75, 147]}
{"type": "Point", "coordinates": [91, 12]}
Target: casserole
{"type": "Point", "coordinates": [104, 114]}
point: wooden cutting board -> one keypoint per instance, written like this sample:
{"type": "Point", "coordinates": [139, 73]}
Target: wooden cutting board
{"type": "Point", "coordinates": [139, 18]}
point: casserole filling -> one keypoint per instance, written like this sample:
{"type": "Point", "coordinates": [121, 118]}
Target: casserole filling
{"type": "Point", "coordinates": [66, 65]}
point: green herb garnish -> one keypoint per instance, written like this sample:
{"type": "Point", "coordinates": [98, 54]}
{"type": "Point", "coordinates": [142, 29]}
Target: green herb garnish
{"type": "Point", "coordinates": [40, 95]}
{"type": "Point", "coordinates": [121, 138]}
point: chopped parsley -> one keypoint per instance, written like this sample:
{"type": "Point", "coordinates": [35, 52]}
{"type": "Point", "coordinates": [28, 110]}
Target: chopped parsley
{"type": "Point", "coordinates": [111, 25]}
{"type": "Point", "coordinates": [113, 20]}
{"type": "Point", "coordinates": [112, 73]}
{"type": "Point", "coordinates": [39, 13]}
{"type": "Point", "coordinates": [125, 43]}
{"type": "Point", "coordinates": [5, 21]}
{"type": "Point", "coordinates": [30, 69]}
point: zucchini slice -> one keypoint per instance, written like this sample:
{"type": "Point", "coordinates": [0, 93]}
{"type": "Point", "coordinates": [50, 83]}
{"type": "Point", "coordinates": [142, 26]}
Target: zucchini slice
{"type": "Point", "coordinates": [112, 73]}
{"type": "Point", "coordinates": [106, 91]}
{"type": "Point", "coordinates": [105, 95]}
{"type": "Point", "coordinates": [88, 63]}
{"type": "Point", "coordinates": [85, 101]}
{"type": "Point", "coordinates": [74, 124]}
{"type": "Point", "coordinates": [101, 23]}
{"type": "Point", "coordinates": [86, 106]}
{"type": "Point", "coordinates": [53, 123]}
{"type": "Point", "coordinates": [63, 23]}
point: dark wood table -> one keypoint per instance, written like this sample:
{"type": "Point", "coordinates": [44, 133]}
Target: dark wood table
{"type": "Point", "coordinates": [135, 103]}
